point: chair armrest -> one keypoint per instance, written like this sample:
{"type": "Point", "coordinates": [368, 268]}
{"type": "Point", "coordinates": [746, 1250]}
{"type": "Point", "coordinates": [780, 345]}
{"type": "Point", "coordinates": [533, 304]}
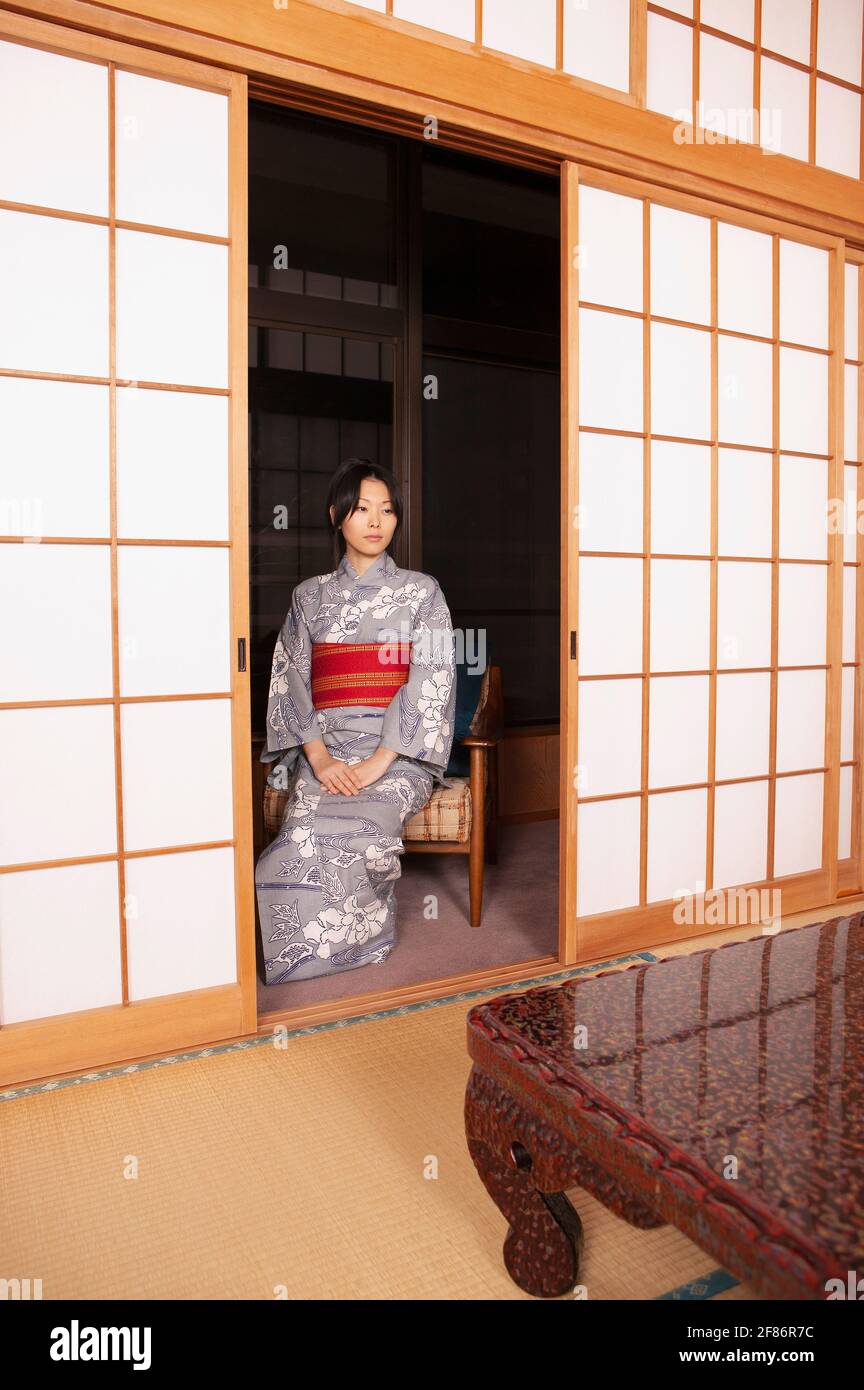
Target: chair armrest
{"type": "Point", "coordinates": [489, 724]}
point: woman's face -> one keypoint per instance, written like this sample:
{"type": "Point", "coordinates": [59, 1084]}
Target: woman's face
{"type": "Point", "coordinates": [369, 528]}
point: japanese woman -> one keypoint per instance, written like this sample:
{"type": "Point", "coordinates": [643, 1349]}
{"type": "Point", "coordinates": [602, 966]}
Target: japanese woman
{"type": "Point", "coordinates": [360, 718]}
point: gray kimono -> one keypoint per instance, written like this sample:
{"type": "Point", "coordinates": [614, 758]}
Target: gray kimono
{"type": "Point", "coordinates": [325, 886]}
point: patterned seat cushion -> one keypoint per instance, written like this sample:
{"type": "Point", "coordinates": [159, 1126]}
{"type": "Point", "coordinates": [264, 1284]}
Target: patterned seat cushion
{"type": "Point", "coordinates": [446, 815]}
{"type": "Point", "coordinates": [275, 801]}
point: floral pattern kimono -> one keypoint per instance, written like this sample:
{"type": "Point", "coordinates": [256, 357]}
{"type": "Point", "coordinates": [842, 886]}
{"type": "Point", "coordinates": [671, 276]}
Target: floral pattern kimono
{"type": "Point", "coordinates": [325, 886]}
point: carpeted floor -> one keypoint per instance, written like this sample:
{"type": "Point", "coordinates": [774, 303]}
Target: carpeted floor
{"type": "Point", "coordinates": [519, 923]}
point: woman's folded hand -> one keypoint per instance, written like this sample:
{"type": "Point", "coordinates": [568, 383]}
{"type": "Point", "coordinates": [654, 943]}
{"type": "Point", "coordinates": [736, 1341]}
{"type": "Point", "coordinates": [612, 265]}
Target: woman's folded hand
{"type": "Point", "coordinates": [373, 767]}
{"type": "Point", "coordinates": [337, 777]}
{"type": "Point", "coordinates": [346, 779]}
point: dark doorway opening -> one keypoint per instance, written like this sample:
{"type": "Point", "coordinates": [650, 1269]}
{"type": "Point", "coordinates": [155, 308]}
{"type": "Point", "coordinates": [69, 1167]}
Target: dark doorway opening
{"type": "Point", "coordinates": [404, 305]}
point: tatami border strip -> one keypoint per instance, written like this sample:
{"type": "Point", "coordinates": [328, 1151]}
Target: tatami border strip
{"type": "Point", "coordinates": [104, 1074]}
{"type": "Point", "coordinates": [706, 1286]}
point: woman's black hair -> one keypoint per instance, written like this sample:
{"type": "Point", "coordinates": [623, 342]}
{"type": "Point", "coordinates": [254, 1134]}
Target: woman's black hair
{"type": "Point", "coordinates": [344, 496]}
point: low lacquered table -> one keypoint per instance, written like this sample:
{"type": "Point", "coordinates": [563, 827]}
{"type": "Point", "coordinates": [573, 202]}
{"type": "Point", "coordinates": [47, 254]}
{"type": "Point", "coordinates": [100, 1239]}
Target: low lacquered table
{"type": "Point", "coordinates": [719, 1091]}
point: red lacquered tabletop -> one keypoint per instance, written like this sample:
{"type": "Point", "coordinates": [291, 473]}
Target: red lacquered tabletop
{"type": "Point", "coordinates": [732, 1077]}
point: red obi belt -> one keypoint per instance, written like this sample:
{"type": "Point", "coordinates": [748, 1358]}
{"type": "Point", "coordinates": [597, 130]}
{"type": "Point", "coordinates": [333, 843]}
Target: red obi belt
{"type": "Point", "coordinates": [358, 673]}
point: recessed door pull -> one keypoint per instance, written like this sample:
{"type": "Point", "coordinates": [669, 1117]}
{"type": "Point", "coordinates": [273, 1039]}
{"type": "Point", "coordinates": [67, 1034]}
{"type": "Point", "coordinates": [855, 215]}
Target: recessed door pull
{"type": "Point", "coordinates": [573, 645]}
{"type": "Point", "coordinates": [241, 653]}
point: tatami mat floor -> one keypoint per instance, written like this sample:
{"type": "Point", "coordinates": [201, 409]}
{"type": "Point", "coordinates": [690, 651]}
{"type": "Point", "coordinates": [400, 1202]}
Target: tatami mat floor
{"type": "Point", "coordinates": [333, 1167]}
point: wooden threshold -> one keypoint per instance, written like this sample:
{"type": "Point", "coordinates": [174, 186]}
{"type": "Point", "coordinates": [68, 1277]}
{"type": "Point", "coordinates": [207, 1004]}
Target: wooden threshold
{"type": "Point", "coordinates": [422, 992]}
{"type": "Point", "coordinates": [354, 1007]}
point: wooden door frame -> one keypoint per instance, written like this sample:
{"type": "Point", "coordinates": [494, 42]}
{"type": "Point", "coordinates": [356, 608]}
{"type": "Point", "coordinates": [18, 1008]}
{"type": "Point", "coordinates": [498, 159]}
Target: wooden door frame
{"type": "Point", "coordinates": [358, 65]}
{"type": "Point", "coordinates": [851, 870]}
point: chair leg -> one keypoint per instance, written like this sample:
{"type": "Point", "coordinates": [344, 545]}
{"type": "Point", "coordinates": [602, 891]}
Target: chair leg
{"type": "Point", "coordinates": [475, 884]}
{"type": "Point", "coordinates": [478, 838]}
{"type": "Point", "coordinates": [492, 832]}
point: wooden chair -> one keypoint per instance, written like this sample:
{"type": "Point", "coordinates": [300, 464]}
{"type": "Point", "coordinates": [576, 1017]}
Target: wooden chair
{"type": "Point", "coordinates": [459, 819]}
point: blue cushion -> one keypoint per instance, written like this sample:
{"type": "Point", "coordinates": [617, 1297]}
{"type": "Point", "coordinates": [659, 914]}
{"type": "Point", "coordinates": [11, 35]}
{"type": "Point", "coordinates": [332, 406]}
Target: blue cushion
{"type": "Point", "coordinates": [467, 696]}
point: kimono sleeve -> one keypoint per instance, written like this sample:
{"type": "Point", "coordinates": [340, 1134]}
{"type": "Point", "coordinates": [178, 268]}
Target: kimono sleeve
{"type": "Point", "coordinates": [291, 716]}
{"type": "Point", "coordinates": [419, 721]}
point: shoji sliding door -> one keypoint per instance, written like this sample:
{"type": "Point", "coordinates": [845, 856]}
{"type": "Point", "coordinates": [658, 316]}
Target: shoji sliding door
{"type": "Point", "coordinates": [706, 578]}
{"type": "Point", "coordinates": [125, 870]}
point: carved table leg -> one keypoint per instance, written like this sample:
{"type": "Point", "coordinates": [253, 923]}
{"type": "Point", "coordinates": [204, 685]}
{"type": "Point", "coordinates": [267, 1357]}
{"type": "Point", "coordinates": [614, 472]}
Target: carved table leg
{"type": "Point", "coordinates": [526, 1167]}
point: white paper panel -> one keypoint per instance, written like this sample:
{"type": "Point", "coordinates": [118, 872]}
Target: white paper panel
{"type": "Point", "coordinates": [847, 713]}
{"type": "Point", "coordinates": [838, 39]}
{"type": "Point", "coordinates": [610, 616]}
{"type": "Point", "coordinates": [744, 391]}
{"type": "Point", "coordinates": [172, 310]}
{"type": "Point", "coordinates": [680, 595]}
{"type": "Point", "coordinates": [53, 458]}
{"type": "Point", "coordinates": [838, 128]}
{"type": "Point", "coordinates": [528, 33]}
{"type": "Point", "coordinates": [172, 444]}
{"type": "Point", "coordinates": [680, 7]}
{"type": "Point", "coordinates": [803, 502]}
{"type": "Point", "coordinates": [172, 155]}
{"type": "Point", "coordinates": [732, 16]}
{"type": "Point", "coordinates": [740, 833]}
{"type": "Point", "coordinates": [53, 321]}
{"type": "Point", "coordinates": [53, 130]}
{"type": "Point", "coordinates": [680, 498]}
{"type": "Point", "coordinates": [610, 248]}
{"type": "Point", "coordinates": [800, 720]}
{"type": "Point", "coordinates": [802, 600]}
{"type": "Point", "coordinates": [743, 725]}
{"type": "Point", "coordinates": [848, 613]}
{"type": "Point", "coordinates": [456, 17]}
{"type": "Point", "coordinates": [55, 622]}
{"type": "Point", "coordinates": [680, 265]}
{"type": "Point", "coordinates": [380, 5]}
{"type": "Point", "coordinates": [803, 401]}
{"type": "Point", "coordinates": [786, 28]}
{"type": "Point", "coordinates": [743, 502]}
{"type": "Point", "coordinates": [850, 512]}
{"type": "Point", "coordinates": [610, 370]}
{"type": "Point", "coordinates": [167, 595]}
{"type": "Point", "coordinates": [597, 42]}
{"type": "Point", "coordinates": [844, 824]}
{"type": "Point", "coordinates": [850, 408]}
{"type": "Point", "coordinates": [726, 87]}
{"type": "Point", "coordinates": [670, 71]}
{"type": "Point", "coordinates": [165, 802]}
{"type": "Point", "coordinates": [851, 286]}
{"type": "Point", "coordinates": [798, 824]}
{"type": "Point", "coordinates": [180, 922]}
{"type": "Point", "coordinates": [743, 614]}
{"type": "Point", "coordinates": [677, 730]}
{"type": "Point", "coordinates": [610, 737]}
{"type": "Point", "coordinates": [610, 492]}
{"type": "Point", "coordinates": [607, 855]}
{"type": "Point", "coordinates": [784, 109]}
{"type": "Point", "coordinates": [743, 279]}
{"type": "Point", "coordinates": [59, 941]}
{"type": "Point", "coordinates": [803, 293]}
{"type": "Point", "coordinates": [680, 381]}
{"type": "Point", "coordinates": [676, 843]}
{"type": "Point", "coordinates": [69, 749]}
